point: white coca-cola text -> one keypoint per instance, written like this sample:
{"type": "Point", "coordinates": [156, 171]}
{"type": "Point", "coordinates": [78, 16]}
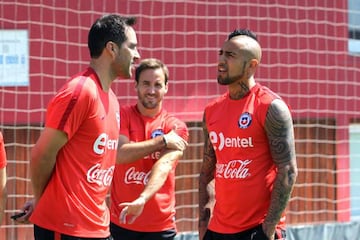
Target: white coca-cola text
{"type": "Point", "coordinates": [235, 169]}
{"type": "Point", "coordinates": [101, 177]}
{"type": "Point", "coordinates": [136, 177]}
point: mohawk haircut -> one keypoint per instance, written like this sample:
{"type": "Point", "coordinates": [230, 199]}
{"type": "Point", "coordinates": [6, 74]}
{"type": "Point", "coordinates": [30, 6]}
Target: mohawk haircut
{"type": "Point", "coordinates": [243, 31]}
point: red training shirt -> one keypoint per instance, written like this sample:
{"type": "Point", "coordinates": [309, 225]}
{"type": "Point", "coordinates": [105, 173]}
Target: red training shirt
{"type": "Point", "coordinates": [2, 152]}
{"type": "Point", "coordinates": [73, 202]}
{"type": "Point", "coordinates": [130, 179]}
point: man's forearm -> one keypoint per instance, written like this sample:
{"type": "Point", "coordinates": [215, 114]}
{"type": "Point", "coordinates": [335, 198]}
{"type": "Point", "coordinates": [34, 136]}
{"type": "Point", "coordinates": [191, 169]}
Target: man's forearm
{"type": "Point", "coordinates": [130, 152]}
{"type": "Point", "coordinates": [160, 172]}
{"type": "Point", "coordinates": [283, 186]}
{"type": "Point", "coordinates": [41, 171]}
{"type": "Point", "coordinates": [204, 198]}
{"type": "Point", "coordinates": [3, 197]}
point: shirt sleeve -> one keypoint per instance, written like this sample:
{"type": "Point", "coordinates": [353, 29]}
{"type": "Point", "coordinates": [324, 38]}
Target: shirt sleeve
{"type": "Point", "coordinates": [2, 152]}
{"type": "Point", "coordinates": [69, 107]}
{"type": "Point", "coordinates": [179, 127]}
{"type": "Point", "coordinates": [125, 121]}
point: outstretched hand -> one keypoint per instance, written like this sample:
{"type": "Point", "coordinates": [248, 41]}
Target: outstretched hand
{"type": "Point", "coordinates": [131, 210]}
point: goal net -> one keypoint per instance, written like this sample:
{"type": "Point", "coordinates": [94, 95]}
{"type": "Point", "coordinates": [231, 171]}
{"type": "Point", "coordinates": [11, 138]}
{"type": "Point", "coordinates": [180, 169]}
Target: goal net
{"type": "Point", "coordinates": [310, 58]}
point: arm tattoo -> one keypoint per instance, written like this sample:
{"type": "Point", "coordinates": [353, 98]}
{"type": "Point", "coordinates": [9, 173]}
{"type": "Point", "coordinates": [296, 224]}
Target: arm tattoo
{"type": "Point", "coordinates": [206, 175]}
{"type": "Point", "coordinates": [280, 133]}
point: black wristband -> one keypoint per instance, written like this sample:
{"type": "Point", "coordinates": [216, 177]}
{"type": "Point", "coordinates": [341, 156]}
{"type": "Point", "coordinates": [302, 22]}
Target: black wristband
{"type": "Point", "coordinates": [164, 140]}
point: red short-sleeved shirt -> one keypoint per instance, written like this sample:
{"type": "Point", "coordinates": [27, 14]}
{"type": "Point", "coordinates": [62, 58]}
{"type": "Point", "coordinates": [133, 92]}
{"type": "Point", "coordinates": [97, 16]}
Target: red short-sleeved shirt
{"type": "Point", "coordinates": [73, 202]}
{"type": "Point", "coordinates": [245, 171]}
{"type": "Point", "coordinates": [130, 179]}
{"type": "Point", "coordinates": [2, 152]}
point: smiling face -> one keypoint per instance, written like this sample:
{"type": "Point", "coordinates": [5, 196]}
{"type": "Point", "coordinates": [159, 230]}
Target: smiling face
{"type": "Point", "coordinates": [151, 88]}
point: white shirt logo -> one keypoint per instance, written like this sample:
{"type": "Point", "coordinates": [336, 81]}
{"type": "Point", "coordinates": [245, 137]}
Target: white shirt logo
{"type": "Point", "coordinates": [234, 169]}
{"type": "Point", "coordinates": [101, 177]}
{"type": "Point", "coordinates": [132, 176]}
{"type": "Point", "coordinates": [103, 142]}
{"type": "Point", "coordinates": [220, 141]}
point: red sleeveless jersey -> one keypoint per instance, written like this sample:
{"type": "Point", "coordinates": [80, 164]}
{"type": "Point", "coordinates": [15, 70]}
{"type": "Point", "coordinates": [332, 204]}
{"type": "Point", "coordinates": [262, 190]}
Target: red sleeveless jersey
{"type": "Point", "coordinates": [245, 171]}
{"type": "Point", "coordinates": [130, 179]}
{"type": "Point", "coordinates": [73, 202]}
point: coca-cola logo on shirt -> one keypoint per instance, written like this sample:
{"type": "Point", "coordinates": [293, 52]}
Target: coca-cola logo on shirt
{"type": "Point", "coordinates": [101, 177]}
{"type": "Point", "coordinates": [133, 176]}
{"type": "Point", "coordinates": [234, 169]}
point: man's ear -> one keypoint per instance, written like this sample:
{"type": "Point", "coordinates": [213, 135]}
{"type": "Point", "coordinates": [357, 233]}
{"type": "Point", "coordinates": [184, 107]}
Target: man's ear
{"type": "Point", "coordinates": [253, 64]}
{"type": "Point", "coordinates": [166, 87]}
{"type": "Point", "coordinates": [110, 47]}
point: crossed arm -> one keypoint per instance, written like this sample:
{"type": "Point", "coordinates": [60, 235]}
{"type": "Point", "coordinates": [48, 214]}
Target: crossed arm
{"type": "Point", "coordinates": [172, 151]}
{"type": "Point", "coordinates": [131, 151]}
{"type": "Point", "coordinates": [158, 176]}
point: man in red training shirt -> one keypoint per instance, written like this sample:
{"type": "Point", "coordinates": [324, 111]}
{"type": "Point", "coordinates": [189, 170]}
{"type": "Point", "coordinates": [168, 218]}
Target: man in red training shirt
{"type": "Point", "coordinates": [143, 188]}
{"type": "Point", "coordinates": [73, 161]}
{"type": "Point", "coordinates": [249, 151]}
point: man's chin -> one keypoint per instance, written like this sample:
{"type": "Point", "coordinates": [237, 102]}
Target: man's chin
{"type": "Point", "coordinates": [222, 81]}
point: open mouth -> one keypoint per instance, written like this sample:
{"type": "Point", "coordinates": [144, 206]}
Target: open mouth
{"type": "Point", "coordinates": [222, 69]}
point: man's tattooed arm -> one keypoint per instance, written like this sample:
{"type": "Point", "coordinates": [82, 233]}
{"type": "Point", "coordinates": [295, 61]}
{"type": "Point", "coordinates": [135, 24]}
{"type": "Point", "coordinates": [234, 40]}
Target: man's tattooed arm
{"type": "Point", "coordinates": [206, 175]}
{"type": "Point", "coordinates": [280, 133]}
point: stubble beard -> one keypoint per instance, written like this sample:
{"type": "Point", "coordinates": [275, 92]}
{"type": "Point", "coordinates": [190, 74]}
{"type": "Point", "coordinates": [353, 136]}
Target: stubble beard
{"type": "Point", "coordinates": [149, 104]}
{"type": "Point", "coordinates": [228, 80]}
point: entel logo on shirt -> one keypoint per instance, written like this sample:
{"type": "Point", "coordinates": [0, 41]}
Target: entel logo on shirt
{"type": "Point", "coordinates": [230, 142]}
{"type": "Point", "coordinates": [102, 142]}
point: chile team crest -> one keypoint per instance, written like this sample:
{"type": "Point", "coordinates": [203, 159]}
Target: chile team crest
{"type": "Point", "coordinates": [244, 120]}
{"type": "Point", "coordinates": [157, 132]}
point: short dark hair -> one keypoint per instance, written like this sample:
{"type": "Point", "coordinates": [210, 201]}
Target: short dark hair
{"type": "Point", "coordinates": [242, 31]}
{"type": "Point", "coordinates": [108, 28]}
{"type": "Point", "coordinates": [151, 63]}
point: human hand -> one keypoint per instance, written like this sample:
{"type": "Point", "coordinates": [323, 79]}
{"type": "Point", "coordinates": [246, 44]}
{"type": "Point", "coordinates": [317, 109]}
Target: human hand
{"type": "Point", "coordinates": [26, 211]}
{"type": "Point", "coordinates": [202, 231]}
{"type": "Point", "coordinates": [260, 234]}
{"type": "Point", "coordinates": [268, 231]}
{"type": "Point", "coordinates": [203, 222]}
{"type": "Point", "coordinates": [174, 141]}
{"type": "Point", "coordinates": [133, 209]}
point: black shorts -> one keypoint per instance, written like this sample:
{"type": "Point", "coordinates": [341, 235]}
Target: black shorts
{"type": "Point", "coordinates": [45, 234]}
{"type": "Point", "coordinates": [120, 233]}
{"type": "Point", "coordinates": [255, 233]}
